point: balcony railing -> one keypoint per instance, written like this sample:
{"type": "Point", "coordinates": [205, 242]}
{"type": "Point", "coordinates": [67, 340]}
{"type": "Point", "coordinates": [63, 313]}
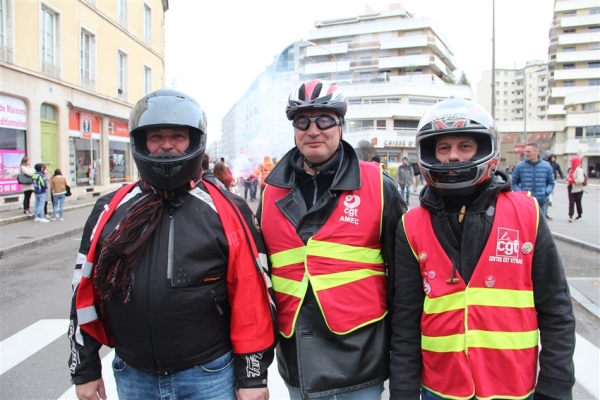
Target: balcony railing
{"type": "Point", "coordinates": [88, 83]}
{"type": "Point", "coordinates": [6, 54]}
{"type": "Point", "coordinates": [51, 69]}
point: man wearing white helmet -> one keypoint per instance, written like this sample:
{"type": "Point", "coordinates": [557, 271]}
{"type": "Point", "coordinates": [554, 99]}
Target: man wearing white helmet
{"type": "Point", "coordinates": [479, 282]}
{"type": "Point", "coordinates": [329, 223]}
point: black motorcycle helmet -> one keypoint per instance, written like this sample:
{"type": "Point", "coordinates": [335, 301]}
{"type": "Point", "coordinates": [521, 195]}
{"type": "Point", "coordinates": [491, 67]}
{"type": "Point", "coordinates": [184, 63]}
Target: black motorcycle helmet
{"type": "Point", "coordinates": [167, 108]}
{"type": "Point", "coordinates": [458, 117]}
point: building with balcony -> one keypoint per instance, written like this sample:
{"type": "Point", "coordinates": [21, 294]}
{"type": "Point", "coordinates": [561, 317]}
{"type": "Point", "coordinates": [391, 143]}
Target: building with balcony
{"type": "Point", "coordinates": [390, 65]}
{"type": "Point", "coordinates": [574, 52]}
{"type": "Point", "coordinates": [70, 74]}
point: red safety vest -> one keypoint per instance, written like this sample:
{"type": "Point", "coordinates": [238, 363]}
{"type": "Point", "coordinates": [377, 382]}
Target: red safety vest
{"type": "Point", "coordinates": [480, 339]}
{"type": "Point", "coordinates": [342, 261]}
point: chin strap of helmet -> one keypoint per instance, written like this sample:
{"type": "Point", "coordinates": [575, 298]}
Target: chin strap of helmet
{"type": "Point", "coordinates": [314, 166]}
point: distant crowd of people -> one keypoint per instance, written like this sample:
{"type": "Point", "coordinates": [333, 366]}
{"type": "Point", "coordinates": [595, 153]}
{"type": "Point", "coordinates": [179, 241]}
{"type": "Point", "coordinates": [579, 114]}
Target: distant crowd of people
{"type": "Point", "coordinates": [44, 187]}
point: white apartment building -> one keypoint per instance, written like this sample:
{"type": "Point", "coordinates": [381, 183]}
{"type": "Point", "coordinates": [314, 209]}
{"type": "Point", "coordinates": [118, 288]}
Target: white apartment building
{"type": "Point", "coordinates": [390, 65]}
{"type": "Point", "coordinates": [574, 52]}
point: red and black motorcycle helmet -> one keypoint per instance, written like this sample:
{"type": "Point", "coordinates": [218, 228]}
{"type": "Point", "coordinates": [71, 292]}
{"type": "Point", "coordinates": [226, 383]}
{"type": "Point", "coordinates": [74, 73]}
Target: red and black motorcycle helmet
{"type": "Point", "coordinates": [317, 94]}
{"type": "Point", "coordinates": [458, 117]}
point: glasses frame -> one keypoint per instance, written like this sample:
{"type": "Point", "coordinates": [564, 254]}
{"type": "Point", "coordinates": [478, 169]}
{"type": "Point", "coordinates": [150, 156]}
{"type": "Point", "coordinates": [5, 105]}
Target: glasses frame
{"type": "Point", "coordinates": [336, 121]}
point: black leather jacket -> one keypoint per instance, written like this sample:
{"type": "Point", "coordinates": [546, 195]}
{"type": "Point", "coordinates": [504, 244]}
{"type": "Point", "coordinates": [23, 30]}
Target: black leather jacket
{"type": "Point", "coordinates": [178, 315]}
{"type": "Point", "coordinates": [314, 359]}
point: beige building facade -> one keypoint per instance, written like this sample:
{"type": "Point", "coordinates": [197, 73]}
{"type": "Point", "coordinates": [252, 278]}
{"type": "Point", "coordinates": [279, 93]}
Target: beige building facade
{"type": "Point", "coordinates": [70, 72]}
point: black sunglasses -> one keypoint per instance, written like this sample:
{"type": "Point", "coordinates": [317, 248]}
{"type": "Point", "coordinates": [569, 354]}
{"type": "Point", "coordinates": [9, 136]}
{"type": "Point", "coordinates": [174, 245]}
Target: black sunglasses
{"type": "Point", "coordinates": [323, 122]}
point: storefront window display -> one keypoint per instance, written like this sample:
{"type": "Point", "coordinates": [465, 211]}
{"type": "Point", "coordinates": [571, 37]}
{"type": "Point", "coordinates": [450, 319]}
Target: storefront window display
{"type": "Point", "coordinates": [118, 151]}
{"type": "Point", "coordinates": [13, 125]}
{"type": "Point", "coordinates": [84, 149]}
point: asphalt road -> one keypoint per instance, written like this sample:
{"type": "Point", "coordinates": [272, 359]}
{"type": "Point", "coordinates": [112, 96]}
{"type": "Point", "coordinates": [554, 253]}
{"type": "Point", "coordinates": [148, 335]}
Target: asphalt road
{"type": "Point", "coordinates": [35, 294]}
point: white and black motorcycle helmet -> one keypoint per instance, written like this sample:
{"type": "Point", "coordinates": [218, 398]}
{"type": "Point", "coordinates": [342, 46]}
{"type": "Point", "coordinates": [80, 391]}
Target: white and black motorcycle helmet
{"type": "Point", "coordinates": [458, 117]}
{"type": "Point", "coordinates": [167, 108]}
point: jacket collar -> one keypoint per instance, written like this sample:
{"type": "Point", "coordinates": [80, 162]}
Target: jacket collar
{"type": "Point", "coordinates": [347, 175]}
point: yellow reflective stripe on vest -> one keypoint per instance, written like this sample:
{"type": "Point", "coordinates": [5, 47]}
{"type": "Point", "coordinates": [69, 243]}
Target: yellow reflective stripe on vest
{"type": "Point", "coordinates": [289, 286]}
{"type": "Point", "coordinates": [500, 297]}
{"type": "Point", "coordinates": [479, 297]}
{"type": "Point", "coordinates": [484, 339]}
{"type": "Point", "coordinates": [438, 305]}
{"type": "Point", "coordinates": [344, 252]}
{"type": "Point", "coordinates": [503, 340]}
{"type": "Point", "coordinates": [328, 281]}
{"type": "Point", "coordinates": [443, 344]}
{"type": "Point", "coordinates": [288, 257]}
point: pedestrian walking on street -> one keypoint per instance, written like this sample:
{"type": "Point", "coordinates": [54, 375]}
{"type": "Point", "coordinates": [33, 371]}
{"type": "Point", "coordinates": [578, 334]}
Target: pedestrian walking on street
{"type": "Point", "coordinates": [28, 170]}
{"type": "Point", "coordinates": [329, 222]}
{"type": "Point", "coordinates": [404, 179]}
{"type": "Point", "coordinates": [557, 172]}
{"type": "Point", "coordinates": [417, 176]}
{"type": "Point", "coordinates": [534, 175]}
{"type": "Point", "coordinates": [58, 183]}
{"type": "Point", "coordinates": [169, 273]}
{"type": "Point", "coordinates": [479, 284]}
{"type": "Point", "coordinates": [575, 182]}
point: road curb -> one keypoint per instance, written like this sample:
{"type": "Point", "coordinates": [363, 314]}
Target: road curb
{"type": "Point", "coordinates": [576, 242]}
{"type": "Point", "coordinates": [32, 244]}
{"type": "Point", "coordinates": [584, 301]}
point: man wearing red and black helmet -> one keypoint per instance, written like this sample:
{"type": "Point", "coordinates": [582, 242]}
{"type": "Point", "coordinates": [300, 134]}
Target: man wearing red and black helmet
{"type": "Point", "coordinates": [479, 282]}
{"type": "Point", "coordinates": [329, 223]}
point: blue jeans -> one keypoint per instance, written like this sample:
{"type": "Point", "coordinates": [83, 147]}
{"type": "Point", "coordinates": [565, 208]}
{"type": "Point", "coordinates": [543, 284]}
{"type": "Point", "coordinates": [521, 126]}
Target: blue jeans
{"type": "Point", "coordinates": [427, 395]}
{"type": "Point", "coordinates": [370, 393]}
{"type": "Point", "coordinates": [38, 208]}
{"type": "Point", "coordinates": [543, 208]}
{"type": "Point", "coordinates": [213, 380]}
{"type": "Point", "coordinates": [402, 189]}
{"type": "Point", "coordinates": [59, 201]}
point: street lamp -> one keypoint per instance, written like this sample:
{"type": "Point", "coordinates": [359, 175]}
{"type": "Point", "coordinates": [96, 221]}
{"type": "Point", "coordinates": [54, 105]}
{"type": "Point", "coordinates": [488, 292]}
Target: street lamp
{"type": "Point", "coordinates": [307, 43]}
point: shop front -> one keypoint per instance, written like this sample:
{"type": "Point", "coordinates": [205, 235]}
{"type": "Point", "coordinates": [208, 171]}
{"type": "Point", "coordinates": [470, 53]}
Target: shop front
{"type": "Point", "coordinates": [118, 151]}
{"type": "Point", "coordinates": [13, 128]}
{"type": "Point", "coordinates": [85, 157]}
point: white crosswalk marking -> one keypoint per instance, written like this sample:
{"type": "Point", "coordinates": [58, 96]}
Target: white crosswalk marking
{"type": "Point", "coordinates": [29, 341]}
{"type": "Point", "coordinates": [34, 338]}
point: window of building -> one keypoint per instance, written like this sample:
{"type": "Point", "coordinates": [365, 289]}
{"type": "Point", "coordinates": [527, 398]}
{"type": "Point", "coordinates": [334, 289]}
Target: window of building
{"type": "Point", "coordinates": [594, 64]}
{"type": "Point", "coordinates": [497, 73]}
{"type": "Point", "coordinates": [405, 124]}
{"type": "Point", "coordinates": [147, 80]}
{"type": "Point", "coordinates": [505, 84]}
{"type": "Point", "coordinates": [578, 132]}
{"type": "Point", "coordinates": [47, 112]}
{"type": "Point", "coordinates": [345, 40]}
{"type": "Point", "coordinates": [413, 52]}
{"type": "Point", "coordinates": [421, 100]}
{"type": "Point", "coordinates": [360, 124]}
{"type": "Point", "coordinates": [568, 83]}
{"type": "Point", "coordinates": [147, 24]}
{"type": "Point", "coordinates": [568, 49]}
{"type": "Point", "coordinates": [344, 76]}
{"type": "Point", "coordinates": [594, 28]}
{"type": "Point", "coordinates": [505, 102]}
{"type": "Point", "coordinates": [569, 66]}
{"type": "Point", "coordinates": [594, 11]}
{"type": "Point", "coordinates": [87, 60]}
{"type": "Point", "coordinates": [594, 46]}
{"type": "Point", "coordinates": [380, 123]}
{"type": "Point", "coordinates": [589, 106]}
{"type": "Point", "coordinates": [2, 23]}
{"type": "Point", "coordinates": [365, 76]}
{"type": "Point", "coordinates": [48, 36]}
{"type": "Point", "coordinates": [569, 14]}
{"type": "Point", "coordinates": [497, 93]}
{"type": "Point", "coordinates": [592, 131]}
{"type": "Point", "coordinates": [505, 73]}
{"type": "Point", "coordinates": [122, 12]}
{"type": "Point", "coordinates": [593, 82]}
{"type": "Point", "coordinates": [567, 31]}
{"type": "Point", "coordinates": [122, 76]}
{"type": "Point", "coordinates": [506, 93]}
{"type": "Point", "coordinates": [354, 101]}
{"type": "Point", "coordinates": [345, 58]}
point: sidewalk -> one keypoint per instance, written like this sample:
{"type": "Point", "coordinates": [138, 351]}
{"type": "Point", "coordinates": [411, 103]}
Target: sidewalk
{"type": "Point", "coordinates": [18, 233]}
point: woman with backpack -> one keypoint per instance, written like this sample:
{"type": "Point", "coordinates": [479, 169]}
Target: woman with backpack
{"type": "Point", "coordinates": [40, 186]}
{"type": "Point", "coordinates": [576, 181]}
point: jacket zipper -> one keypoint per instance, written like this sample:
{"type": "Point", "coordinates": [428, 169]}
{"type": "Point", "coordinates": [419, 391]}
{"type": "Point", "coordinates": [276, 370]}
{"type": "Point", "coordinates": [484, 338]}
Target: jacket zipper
{"type": "Point", "coordinates": [171, 246]}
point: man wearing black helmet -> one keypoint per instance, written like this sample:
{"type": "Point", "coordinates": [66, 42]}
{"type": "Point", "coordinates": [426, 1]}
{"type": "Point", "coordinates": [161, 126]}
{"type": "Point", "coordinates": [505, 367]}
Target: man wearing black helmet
{"type": "Point", "coordinates": [479, 282]}
{"type": "Point", "coordinates": [329, 223]}
{"type": "Point", "coordinates": [172, 273]}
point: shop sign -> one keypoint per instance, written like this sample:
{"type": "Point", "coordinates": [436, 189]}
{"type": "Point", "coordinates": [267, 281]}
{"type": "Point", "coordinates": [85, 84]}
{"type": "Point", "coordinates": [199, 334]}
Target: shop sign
{"type": "Point", "coordinates": [519, 148]}
{"type": "Point", "coordinates": [398, 143]}
{"type": "Point", "coordinates": [118, 128]}
{"type": "Point", "coordinates": [13, 113]}
{"type": "Point", "coordinates": [85, 120]}
{"type": "Point", "coordinates": [11, 166]}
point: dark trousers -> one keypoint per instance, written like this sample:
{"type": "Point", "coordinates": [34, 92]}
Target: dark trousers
{"type": "Point", "coordinates": [26, 199]}
{"type": "Point", "coordinates": [247, 188]}
{"type": "Point", "coordinates": [575, 199]}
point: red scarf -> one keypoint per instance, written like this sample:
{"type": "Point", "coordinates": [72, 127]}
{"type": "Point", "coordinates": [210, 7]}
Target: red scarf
{"type": "Point", "coordinates": [252, 317]}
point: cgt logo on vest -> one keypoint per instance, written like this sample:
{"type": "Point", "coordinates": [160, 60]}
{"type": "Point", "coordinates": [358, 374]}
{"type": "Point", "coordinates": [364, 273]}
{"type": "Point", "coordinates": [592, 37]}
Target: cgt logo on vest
{"type": "Point", "coordinates": [351, 202]}
{"type": "Point", "coordinates": [507, 247]}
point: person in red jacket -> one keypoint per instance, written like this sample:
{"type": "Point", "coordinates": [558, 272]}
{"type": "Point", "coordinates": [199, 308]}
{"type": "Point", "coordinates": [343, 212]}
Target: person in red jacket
{"type": "Point", "coordinates": [478, 282]}
{"type": "Point", "coordinates": [169, 273]}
